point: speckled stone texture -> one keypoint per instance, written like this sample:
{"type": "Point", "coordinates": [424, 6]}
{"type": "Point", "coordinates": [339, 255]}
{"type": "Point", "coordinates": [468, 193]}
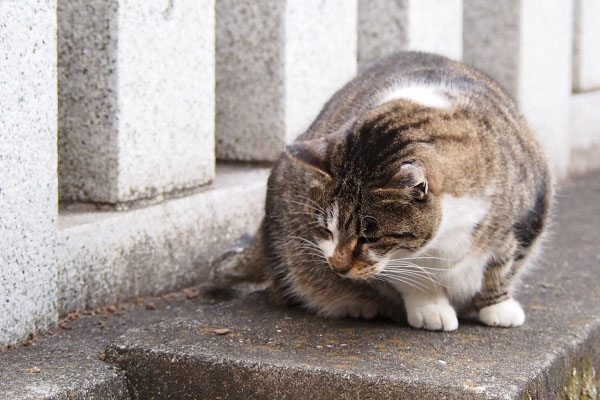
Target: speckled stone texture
{"type": "Point", "coordinates": [107, 257]}
{"type": "Point", "coordinates": [586, 48]}
{"type": "Point", "coordinates": [523, 47]}
{"type": "Point", "coordinates": [28, 181]}
{"type": "Point", "coordinates": [136, 98]}
{"type": "Point", "coordinates": [388, 26]}
{"type": "Point", "coordinates": [584, 128]}
{"type": "Point", "coordinates": [277, 64]}
{"type": "Point", "coordinates": [278, 352]}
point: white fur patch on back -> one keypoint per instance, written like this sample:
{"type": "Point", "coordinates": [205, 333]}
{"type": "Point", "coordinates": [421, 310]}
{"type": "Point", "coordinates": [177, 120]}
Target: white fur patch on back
{"type": "Point", "coordinates": [429, 96]}
{"type": "Point", "coordinates": [328, 246]}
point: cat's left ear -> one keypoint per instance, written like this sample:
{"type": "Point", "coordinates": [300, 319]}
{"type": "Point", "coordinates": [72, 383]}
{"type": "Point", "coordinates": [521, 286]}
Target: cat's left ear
{"type": "Point", "coordinates": [313, 154]}
{"type": "Point", "coordinates": [410, 179]}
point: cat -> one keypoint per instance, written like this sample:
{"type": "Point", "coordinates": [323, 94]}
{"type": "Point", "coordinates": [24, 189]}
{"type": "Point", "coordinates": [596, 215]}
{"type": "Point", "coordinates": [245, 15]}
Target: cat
{"type": "Point", "coordinates": [418, 188]}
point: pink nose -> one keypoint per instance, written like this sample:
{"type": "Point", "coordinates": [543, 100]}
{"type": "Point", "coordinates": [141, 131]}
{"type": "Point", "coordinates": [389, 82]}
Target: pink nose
{"type": "Point", "coordinates": [341, 268]}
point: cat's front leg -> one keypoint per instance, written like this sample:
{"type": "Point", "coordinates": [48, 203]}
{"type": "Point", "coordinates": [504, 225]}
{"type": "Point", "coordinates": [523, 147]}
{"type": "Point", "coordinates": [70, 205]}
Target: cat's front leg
{"type": "Point", "coordinates": [431, 311]}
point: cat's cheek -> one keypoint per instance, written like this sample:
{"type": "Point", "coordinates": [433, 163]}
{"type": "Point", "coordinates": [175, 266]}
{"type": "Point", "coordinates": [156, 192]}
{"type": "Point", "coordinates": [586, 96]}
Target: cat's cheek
{"type": "Point", "coordinates": [506, 314]}
{"type": "Point", "coordinates": [327, 247]}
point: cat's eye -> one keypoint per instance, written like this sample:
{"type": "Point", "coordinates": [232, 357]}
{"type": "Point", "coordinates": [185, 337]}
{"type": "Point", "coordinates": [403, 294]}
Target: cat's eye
{"type": "Point", "coordinates": [368, 226]}
{"type": "Point", "coordinates": [325, 232]}
{"type": "Point", "coordinates": [403, 235]}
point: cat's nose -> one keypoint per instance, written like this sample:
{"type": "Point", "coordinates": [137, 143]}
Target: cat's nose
{"type": "Point", "coordinates": [340, 268]}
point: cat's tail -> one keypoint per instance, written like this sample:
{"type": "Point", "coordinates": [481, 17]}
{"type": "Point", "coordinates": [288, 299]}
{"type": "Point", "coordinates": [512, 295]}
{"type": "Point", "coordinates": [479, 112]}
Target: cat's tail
{"type": "Point", "coordinates": [243, 261]}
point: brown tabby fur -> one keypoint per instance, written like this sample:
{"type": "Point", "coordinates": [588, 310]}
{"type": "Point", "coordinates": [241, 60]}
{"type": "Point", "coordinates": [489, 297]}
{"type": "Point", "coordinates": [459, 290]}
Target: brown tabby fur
{"type": "Point", "coordinates": [479, 146]}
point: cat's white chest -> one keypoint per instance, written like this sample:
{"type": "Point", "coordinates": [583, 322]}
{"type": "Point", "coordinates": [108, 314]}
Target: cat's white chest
{"type": "Point", "coordinates": [454, 264]}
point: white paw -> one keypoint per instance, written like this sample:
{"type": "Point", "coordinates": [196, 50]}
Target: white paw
{"type": "Point", "coordinates": [433, 316]}
{"type": "Point", "coordinates": [506, 314]}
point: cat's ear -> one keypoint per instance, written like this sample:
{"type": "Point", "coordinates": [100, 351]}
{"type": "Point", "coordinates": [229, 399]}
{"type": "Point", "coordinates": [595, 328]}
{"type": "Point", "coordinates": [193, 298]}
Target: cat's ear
{"type": "Point", "coordinates": [313, 154]}
{"type": "Point", "coordinates": [409, 180]}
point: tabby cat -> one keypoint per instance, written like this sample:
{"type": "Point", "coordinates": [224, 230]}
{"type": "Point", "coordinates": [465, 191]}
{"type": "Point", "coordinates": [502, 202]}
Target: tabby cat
{"type": "Point", "coordinates": [418, 187]}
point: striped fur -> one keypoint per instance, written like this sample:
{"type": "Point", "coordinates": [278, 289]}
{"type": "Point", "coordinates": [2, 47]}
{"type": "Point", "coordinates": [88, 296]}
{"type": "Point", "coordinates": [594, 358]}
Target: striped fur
{"type": "Point", "coordinates": [418, 186]}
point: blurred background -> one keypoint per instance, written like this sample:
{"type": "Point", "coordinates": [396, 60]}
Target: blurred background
{"type": "Point", "coordinates": [135, 135]}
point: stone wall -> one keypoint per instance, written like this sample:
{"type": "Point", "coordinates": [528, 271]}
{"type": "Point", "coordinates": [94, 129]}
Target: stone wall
{"type": "Point", "coordinates": [126, 114]}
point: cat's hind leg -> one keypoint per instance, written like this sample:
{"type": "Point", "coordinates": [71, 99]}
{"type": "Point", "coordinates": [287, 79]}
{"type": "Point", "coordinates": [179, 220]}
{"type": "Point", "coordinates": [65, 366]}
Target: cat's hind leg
{"type": "Point", "coordinates": [243, 261]}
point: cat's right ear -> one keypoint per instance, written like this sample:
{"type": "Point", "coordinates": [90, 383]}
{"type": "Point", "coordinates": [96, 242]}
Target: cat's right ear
{"type": "Point", "coordinates": [313, 154]}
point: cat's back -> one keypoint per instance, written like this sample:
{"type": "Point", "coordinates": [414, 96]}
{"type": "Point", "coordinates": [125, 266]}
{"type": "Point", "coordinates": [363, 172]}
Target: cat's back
{"type": "Point", "coordinates": [428, 79]}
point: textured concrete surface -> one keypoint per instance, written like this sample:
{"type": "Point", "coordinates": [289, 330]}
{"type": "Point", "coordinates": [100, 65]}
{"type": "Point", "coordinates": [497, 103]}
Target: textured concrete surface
{"type": "Point", "coordinates": [491, 40]}
{"type": "Point", "coordinates": [28, 178]}
{"type": "Point", "coordinates": [545, 68]}
{"type": "Point", "coordinates": [320, 57]}
{"type": "Point", "coordinates": [277, 63]}
{"type": "Point", "coordinates": [586, 52]}
{"type": "Point", "coordinates": [275, 352]}
{"type": "Point", "coordinates": [110, 256]}
{"type": "Point", "coordinates": [585, 132]}
{"type": "Point", "coordinates": [388, 26]}
{"type": "Point", "coordinates": [136, 100]}
{"type": "Point", "coordinates": [521, 45]}
{"type": "Point", "coordinates": [249, 79]}
{"type": "Point", "coordinates": [68, 365]}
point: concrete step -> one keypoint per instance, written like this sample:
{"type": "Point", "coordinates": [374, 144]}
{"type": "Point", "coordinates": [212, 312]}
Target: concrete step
{"type": "Point", "coordinates": [68, 364]}
{"type": "Point", "coordinates": [108, 256]}
{"type": "Point", "coordinates": [275, 352]}
{"type": "Point", "coordinates": [168, 347]}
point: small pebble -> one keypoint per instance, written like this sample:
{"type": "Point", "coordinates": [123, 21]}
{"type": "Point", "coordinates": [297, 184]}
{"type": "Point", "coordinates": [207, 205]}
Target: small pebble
{"type": "Point", "coordinates": [33, 370]}
{"type": "Point", "coordinates": [278, 330]}
{"type": "Point", "coordinates": [222, 331]}
{"type": "Point", "coordinates": [150, 306]}
{"type": "Point", "coordinates": [442, 362]}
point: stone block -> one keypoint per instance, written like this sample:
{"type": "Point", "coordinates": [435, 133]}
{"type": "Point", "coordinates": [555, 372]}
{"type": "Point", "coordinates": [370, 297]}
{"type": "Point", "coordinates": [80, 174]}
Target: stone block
{"type": "Point", "coordinates": [136, 98]}
{"type": "Point", "coordinates": [522, 45]}
{"type": "Point", "coordinates": [584, 132]}
{"type": "Point", "coordinates": [586, 48]}
{"type": "Point", "coordinates": [278, 62]}
{"type": "Point", "coordinates": [28, 183]}
{"type": "Point", "coordinates": [111, 256]}
{"type": "Point", "coordinates": [388, 26]}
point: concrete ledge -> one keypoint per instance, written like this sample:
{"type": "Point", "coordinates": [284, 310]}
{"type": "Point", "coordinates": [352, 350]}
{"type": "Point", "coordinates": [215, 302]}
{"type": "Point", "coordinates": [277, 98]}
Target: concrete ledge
{"type": "Point", "coordinates": [167, 347]}
{"type": "Point", "coordinates": [61, 369]}
{"type": "Point", "coordinates": [273, 352]}
{"type": "Point", "coordinates": [107, 257]}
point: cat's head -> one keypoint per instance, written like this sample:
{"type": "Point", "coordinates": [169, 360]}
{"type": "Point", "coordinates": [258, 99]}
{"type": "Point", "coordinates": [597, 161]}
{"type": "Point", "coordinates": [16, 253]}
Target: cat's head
{"type": "Point", "coordinates": [370, 192]}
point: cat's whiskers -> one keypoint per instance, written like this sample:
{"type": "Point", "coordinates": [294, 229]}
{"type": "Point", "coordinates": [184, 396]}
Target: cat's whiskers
{"type": "Point", "coordinates": [418, 276]}
{"type": "Point", "coordinates": [396, 263]}
{"type": "Point", "coordinates": [311, 201]}
{"type": "Point", "coordinates": [425, 258]}
{"type": "Point", "coordinates": [320, 210]}
{"type": "Point", "coordinates": [404, 280]}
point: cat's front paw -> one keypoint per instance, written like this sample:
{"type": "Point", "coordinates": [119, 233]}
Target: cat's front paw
{"type": "Point", "coordinates": [433, 317]}
{"type": "Point", "coordinates": [506, 314]}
